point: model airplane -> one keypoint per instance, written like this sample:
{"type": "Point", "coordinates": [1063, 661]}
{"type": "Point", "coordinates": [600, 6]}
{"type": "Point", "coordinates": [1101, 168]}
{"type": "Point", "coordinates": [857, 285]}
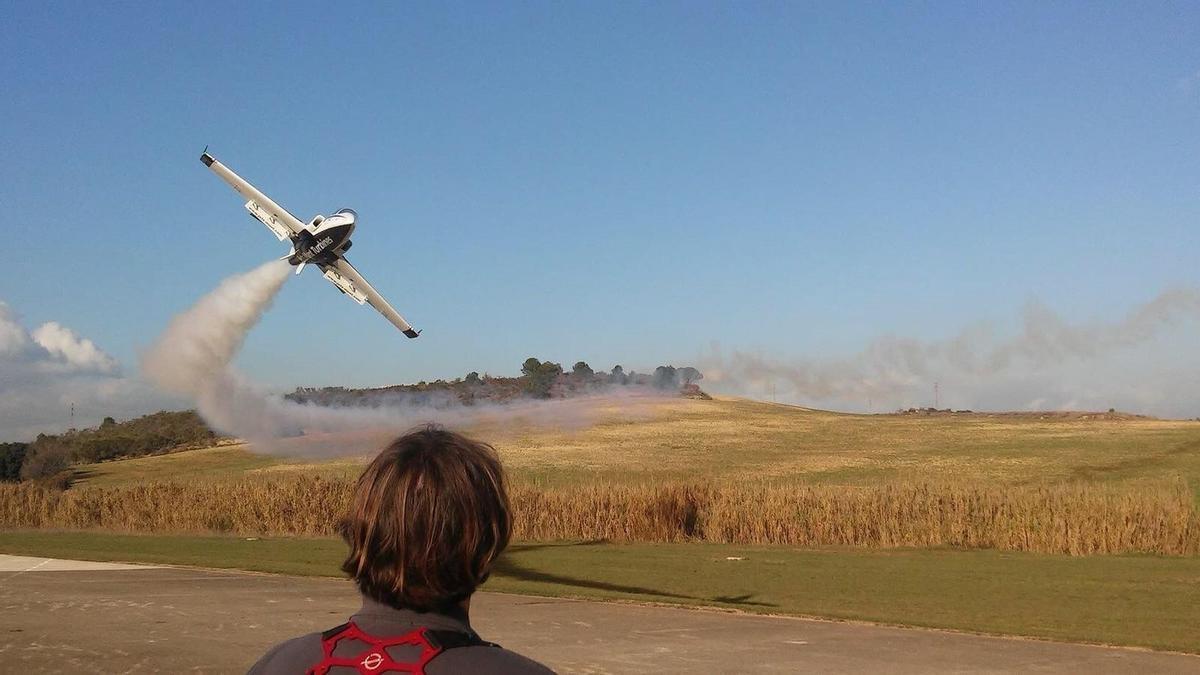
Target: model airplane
{"type": "Point", "coordinates": [323, 242]}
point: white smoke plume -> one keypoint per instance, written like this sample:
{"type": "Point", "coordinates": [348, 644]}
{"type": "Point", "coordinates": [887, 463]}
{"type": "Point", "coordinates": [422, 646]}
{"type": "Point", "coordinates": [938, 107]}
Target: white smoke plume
{"type": "Point", "coordinates": [191, 355]}
{"type": "Point", "coordinates": [192, 358]}
{"type": "Point", "coordinates": [891, 368]}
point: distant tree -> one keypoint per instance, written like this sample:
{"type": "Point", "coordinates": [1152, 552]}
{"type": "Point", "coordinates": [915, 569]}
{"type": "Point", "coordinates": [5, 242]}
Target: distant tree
{"type": "Point", "coordinates": [11, 457]}
{"type": "Point", "coordinates": [540, 376]}
{"type": "Point", "coordinates": [688, 375]}
{"type": "Point", "coordinates": [617, 376]}
{"type": "Point", "coordinates": [665, 377]}
{"type": "Point", "coordinates": [472, 378]}
{"type": "Point", "coordinates": [108, 422]}
{"type": "Point", "coordinates": [530, 367]}
{"type": "Point", "coordinates": [582, 370]}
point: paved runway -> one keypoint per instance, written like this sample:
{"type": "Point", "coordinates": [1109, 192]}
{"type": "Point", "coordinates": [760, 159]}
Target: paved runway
{"type": "Point", "coordinates": [63, 616]}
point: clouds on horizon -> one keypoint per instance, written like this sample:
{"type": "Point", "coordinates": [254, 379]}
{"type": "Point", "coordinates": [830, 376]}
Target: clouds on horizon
{"type": "Point", "coordinates": [1142, 362]}
{"type": "Point", "coordinates": [46, 370]}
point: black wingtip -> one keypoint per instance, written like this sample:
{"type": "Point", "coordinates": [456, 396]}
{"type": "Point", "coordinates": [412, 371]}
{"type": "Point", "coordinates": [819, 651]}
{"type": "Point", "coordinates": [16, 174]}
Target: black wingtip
{"type": "Point", "coordinates": [206, 158]}
{"type": "Point", "coordinates": [412, 333]}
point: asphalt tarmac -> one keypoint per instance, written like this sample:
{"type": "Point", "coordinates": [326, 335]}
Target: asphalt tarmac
{"type": "Point", "coordinates": [63, 616]}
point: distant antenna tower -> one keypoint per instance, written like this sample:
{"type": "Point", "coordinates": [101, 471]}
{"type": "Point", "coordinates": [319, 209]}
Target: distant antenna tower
{"type": "Point", "coordinates": [72, 414]}
{"type": "Point", "coordinates": [936, 397]}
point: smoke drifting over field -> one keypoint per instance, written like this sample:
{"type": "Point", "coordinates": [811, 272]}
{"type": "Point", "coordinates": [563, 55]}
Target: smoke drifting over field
{"type": "Point", "coordinates": [901, 371]}
{"type": "Point", "coordinates": [192, 358]}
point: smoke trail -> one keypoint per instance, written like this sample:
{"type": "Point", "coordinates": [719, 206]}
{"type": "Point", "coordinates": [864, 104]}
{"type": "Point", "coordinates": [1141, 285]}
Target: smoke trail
{"type": "Point", "coordinates": [892, 366]}
{"type": "Point", "coordinates": [191, 355]}
{"type": "Point", "coordinates": [192, 358]}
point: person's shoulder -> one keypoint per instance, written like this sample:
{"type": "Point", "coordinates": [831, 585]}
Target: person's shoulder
{"type": "Point", "coordinates": [485, 660]}
{"type": "Point", "coordinates": [293, 656]}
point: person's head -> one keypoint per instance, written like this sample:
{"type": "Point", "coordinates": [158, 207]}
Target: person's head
{"type": "Point", "coordinates": [427, 519]}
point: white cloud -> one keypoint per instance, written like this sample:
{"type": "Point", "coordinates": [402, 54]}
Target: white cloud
{"type": "Point", "coordinates": [14, 341]}
{"type": "Point", "coordinates": [45, 372]}
{"type": "Point", "coordinates": [79, 353]}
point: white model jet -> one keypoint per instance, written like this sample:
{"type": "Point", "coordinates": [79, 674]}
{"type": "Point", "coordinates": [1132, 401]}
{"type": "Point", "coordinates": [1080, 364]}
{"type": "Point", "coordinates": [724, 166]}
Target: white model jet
{"type": "Point", "coordinates": [323, 241]}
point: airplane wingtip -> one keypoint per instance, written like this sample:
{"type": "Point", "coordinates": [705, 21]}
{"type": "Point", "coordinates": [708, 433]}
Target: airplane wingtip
{"type": "Point", "coordinates": [412, 333]}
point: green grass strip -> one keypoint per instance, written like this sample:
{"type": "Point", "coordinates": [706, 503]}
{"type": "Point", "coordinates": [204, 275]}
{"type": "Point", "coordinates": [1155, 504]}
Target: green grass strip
{"type": "Point", "coordinates": [1126, 600]}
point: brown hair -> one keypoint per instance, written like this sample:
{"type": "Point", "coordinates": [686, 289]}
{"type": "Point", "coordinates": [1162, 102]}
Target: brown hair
{"type": "Point", "coordinates": [427, 519]}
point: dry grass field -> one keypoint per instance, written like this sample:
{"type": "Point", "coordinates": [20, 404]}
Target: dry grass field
{"type": "Point", "coordinates": [903, 518]}
{"type": "Point", "coordinates": [724, 471]}
{"type": "Point", "coordinates": [732, 441]}
{"type": "Point", "coordinates": [1074, 520]}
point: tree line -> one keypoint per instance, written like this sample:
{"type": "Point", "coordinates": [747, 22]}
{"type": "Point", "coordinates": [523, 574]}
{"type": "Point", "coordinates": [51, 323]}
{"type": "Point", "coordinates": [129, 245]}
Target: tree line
{"type": "Point", "coordinates": [538, 379]}
{"type": "Point", "coordinates": [51, 455]}
{"type": "Point", "coordinates": [541, 377]}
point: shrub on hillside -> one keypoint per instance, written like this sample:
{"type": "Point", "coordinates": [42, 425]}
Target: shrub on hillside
{"type": "Point", "coordinates": [47, 457]}
{"type": "Point", "coordinates": [146, 435]}
{"type": "Point", "coordinates": [12, 455]}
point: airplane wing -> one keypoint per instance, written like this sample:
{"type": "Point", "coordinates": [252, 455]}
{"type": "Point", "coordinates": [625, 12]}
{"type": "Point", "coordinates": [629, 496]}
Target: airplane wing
{"type": "Point", "coordinates": [349, 281]}
{"type": "Point", "coordinates": [277, 219]}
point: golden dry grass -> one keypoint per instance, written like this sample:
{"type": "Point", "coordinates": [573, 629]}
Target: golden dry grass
{"type": "Point", "coordinates": [731, 439]}
{"type": "Point", "coordinates": [728, 470]}
{"type": "Point", "coordinates": [1076, 520]}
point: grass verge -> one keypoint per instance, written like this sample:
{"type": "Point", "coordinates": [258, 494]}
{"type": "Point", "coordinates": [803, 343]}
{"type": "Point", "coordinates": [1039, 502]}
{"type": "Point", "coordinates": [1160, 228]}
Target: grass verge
{"type": "Point", "coordinates": [1146, 601]}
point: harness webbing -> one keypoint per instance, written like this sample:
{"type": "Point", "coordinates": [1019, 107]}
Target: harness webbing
{"type": "Point", "coordinates": [375, 659]}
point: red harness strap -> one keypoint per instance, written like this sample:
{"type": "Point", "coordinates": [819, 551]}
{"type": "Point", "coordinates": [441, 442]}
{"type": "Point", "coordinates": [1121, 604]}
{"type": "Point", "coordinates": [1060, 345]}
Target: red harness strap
{"type": "Point", "coordinates": [375, 659]}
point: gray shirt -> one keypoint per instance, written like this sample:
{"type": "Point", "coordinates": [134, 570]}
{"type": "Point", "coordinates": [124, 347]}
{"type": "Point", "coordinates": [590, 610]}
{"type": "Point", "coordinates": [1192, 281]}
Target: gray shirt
{"type": "Point", "coordinates": [297, 655]}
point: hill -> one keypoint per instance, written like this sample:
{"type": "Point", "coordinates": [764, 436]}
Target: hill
{"type": "Point", "coordinates": [738, 440]}
{"type": "Point", "coordinates": [50, 455]}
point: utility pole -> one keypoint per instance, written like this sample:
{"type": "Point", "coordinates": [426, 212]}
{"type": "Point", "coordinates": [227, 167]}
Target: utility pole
{"type": "Point", "coordinates": [936, 397]}
{"type": "Point", "coordinates": [72, 414]}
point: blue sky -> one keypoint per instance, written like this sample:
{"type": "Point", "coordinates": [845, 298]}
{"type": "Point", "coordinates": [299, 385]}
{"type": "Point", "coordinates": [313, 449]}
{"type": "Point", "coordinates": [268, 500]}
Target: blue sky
{"type": "Point", "coordinates": [610, 182]}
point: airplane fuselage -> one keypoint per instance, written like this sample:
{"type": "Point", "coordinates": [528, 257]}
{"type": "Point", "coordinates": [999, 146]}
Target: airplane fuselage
{"type": "Point", "coordinates": [324, 240]}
